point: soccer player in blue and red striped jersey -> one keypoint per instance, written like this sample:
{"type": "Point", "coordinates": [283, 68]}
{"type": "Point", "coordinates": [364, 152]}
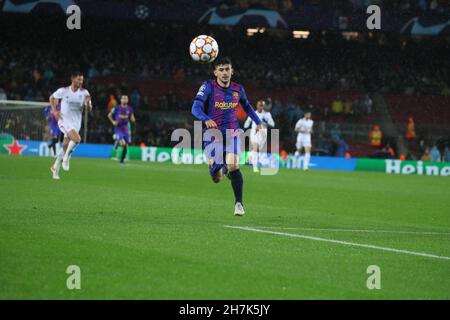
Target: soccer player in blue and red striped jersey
{"type": "Point", "coordinates": [216, 103]}
{"type": "Point", "coordinates": [120, 116]}
{"type": "Point", "coordinates": [55, 132]}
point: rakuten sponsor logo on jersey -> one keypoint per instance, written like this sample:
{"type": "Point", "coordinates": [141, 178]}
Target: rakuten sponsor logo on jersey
{"type": "Point", "coordinates": [225, 105]}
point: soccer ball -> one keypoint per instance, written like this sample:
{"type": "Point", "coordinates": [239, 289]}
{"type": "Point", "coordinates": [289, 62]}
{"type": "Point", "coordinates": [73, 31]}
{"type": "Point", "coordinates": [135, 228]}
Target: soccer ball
{"type": "Point", "coordinates": [204, 49]}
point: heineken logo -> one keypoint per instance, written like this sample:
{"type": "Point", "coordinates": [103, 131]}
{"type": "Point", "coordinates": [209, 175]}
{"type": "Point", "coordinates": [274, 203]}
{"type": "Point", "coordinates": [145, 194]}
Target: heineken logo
{"type": "Point", "coordinates": [417, 167]}
{"type": "Point", "coordinates": [10, 145]}
{"type": "Point", "coordinates": [15, 148]}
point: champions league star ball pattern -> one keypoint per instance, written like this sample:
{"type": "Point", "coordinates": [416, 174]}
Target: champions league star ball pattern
{"type": "Point", "coordinates": [204, 49]}
{"type": "Point", "coordinates": [141, 12]}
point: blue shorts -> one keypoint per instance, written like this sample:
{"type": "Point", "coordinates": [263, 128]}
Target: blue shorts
{"type": "Point", "coordinates": [123, 136]}
{"type": "Point", "coordinates": [216, 150]}
{"type": "Point", "coordinates": [55, 133]}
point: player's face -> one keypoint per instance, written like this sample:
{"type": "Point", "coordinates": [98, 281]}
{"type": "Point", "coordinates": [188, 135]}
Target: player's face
{"type": "Point", "coordinates": [124, 100]}
{"type": "Point", "coordinates": [223, 73]}
{"type": "Point", "coordinates": [308, 115]}
{"type": "Point", "coordinates": [77, 81]}
{"type": "Point", "coordinates": [260, 106]}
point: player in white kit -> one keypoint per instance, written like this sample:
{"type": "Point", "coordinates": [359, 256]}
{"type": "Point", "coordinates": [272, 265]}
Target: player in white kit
{"type": "Point", "coordinates": [73, 99]}
{"type": "Point", "coordinates": [258, 139]}
{"type": "Point", "coordinates": [304, 128]}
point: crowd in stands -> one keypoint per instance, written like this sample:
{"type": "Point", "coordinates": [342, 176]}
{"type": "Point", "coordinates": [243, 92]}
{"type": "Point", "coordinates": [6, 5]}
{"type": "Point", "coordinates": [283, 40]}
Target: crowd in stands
{"type": "Point", "coordinates": [384, 62]}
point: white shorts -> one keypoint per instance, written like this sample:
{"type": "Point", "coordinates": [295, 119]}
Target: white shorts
{"type": "Point", "coordinates": [67, 126]}
{"type": "Point", "coordinates": [303, 141]}
{"type": "Point", "coordinates": [257, 138]}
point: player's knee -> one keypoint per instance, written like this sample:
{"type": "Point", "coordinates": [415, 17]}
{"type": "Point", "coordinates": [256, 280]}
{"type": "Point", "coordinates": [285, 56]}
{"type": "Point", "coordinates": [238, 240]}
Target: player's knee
{"type": "Point", "coordinates": [233, 167]}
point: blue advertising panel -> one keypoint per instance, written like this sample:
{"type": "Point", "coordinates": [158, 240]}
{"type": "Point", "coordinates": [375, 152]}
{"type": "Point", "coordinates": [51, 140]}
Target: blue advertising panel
{"type": "Point", "coordinates": [40, 148]}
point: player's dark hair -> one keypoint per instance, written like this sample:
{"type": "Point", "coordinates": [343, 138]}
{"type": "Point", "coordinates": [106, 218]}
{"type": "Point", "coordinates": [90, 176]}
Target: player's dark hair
{"type": "Point", "coordinates": [76, 74]}
{"type": "Point", "coordinates": [221, 61]}
{"type": "Point", "coordinates": [308, 109]}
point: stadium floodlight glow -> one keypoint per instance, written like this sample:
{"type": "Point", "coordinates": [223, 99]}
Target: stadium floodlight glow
{"type": "Point", "coordinates": [348, 35]}
{"type": "Point", "coordinates": [252, 31]}
{"type": "Point", "coordinates": [300, 34]}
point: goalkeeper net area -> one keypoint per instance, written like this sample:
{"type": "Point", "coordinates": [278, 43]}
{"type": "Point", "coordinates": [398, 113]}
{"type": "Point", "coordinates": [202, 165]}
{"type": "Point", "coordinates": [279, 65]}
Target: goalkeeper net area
{"type": "Point", "coordinates": [24, 120]}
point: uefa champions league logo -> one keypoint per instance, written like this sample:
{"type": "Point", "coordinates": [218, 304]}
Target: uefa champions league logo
{"type": "Point", "coordinates": [141, 12]}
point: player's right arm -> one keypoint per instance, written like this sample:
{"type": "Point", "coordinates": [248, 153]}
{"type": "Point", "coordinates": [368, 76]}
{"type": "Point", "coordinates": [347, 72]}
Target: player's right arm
{"type": "Point", "coordinates": [297, 126]}
{"type": "Point", "coordinates": [110, 117]}
{"type": "Point", "coordinates": [270, 121]}
{"type": "Point", "coordinates": [199, 103]}
{"type": "Point", "coordinates": [58, 94]}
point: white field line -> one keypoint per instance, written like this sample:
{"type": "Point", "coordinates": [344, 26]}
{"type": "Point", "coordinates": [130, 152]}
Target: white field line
{"type": "Point", "coordinates": [358, 230]}
{"type": "Point", "coordinates": [368, 246]}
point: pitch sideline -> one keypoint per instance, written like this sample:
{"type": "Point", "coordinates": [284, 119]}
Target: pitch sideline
{"type": "Point", "coordinates": [368, 246]}
{"type": "Point", "coordinates": [357, 230]}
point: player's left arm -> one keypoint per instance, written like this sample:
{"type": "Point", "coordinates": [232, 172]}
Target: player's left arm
{"type": "Point", "coordinates": [270, 121]}
{"type": "Point", "coordinates": [133, 119]}
{"type": "Point", "coordinates": [88, 102]}
{"type": "Point", "coordinates": [249, 109]}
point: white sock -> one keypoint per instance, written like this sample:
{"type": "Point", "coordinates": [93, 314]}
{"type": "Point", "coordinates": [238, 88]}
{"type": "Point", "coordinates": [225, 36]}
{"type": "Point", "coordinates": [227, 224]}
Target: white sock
{"type": "Point", "coordinates": [260, 155]}
{"type": "Point", "coordinates": [70, 149]}
{"type": "Point", "coordinates": [255, 159]}
{"type": "Point", "coordinates": [60, 154]}
{"type": "Point", "coordinates": [59, 158]}
{"type": "Point", "coordinates": [306, 160]}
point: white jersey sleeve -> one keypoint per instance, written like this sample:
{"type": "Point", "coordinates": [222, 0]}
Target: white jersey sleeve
{"type": "Point", "coordinates": [270, 121]}
{"type": "Point", "coordinates": [247, 123]}
{"type": "Point", "coordinates": [59, 94]}
{"type": "Point", "coordinates": [298, 124]}
{"type": "Point", "coordinates": [86, 95]}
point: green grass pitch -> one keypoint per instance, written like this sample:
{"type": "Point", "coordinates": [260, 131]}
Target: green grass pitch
{"type": "Point", "coordinates": [157, 231]}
